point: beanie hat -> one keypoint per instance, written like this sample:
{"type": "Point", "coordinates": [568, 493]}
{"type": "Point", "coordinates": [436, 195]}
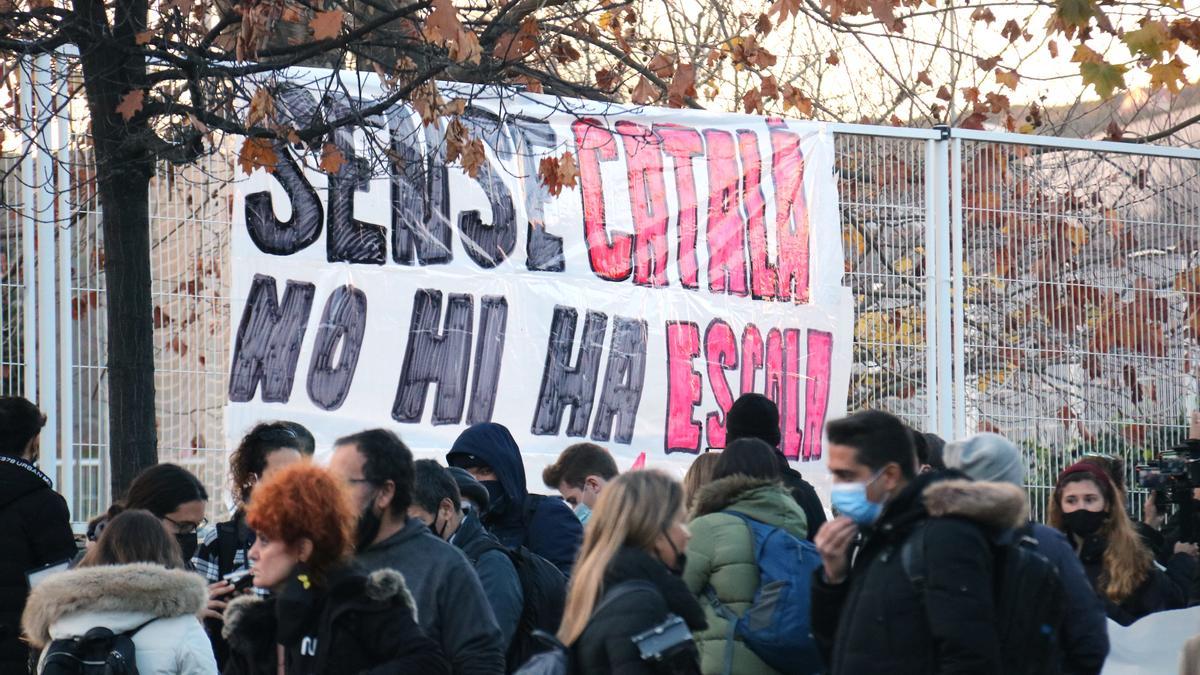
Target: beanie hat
{"type": "Point", "coordinates": [470, 488]}
{"type": "Point", "coordinates": [1101, 476]}
{"type": "Point", "coordinates": [752, 416]}
{"type": "Point", "coordinates": [987, 457]}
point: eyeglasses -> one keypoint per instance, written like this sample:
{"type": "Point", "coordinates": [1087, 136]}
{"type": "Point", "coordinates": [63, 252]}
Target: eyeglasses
{"type": "Point", "coordinates": [186, 528]}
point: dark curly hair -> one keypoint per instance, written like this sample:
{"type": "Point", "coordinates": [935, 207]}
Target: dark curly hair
{"type": "Point", "coordinates": [250, 457]}
{"type": "Point", "coordinates": [304, 501]}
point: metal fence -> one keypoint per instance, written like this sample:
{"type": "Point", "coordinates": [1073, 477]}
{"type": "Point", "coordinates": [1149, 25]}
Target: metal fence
{"type": "Point", "coordinates": [1044, 289]}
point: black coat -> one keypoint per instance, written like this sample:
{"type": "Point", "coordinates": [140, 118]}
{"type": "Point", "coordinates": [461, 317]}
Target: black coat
{"type": "Point", "coordinates": [1156, 594]}
{"type": "Point", "coordinates": [877, 622]}
{"type": "Point", "coordinates": [356, 624]}
{"type": "Point", "coordinates": [806, 496]}
{"type": "Point", "coordinates": [605, 646]}
{"type": "Point", "coordinates": [35, 530]}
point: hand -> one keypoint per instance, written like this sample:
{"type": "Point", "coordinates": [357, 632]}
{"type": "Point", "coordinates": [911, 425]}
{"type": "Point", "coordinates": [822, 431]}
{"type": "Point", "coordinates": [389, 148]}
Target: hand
{"type": "Point", "coordinates": [1189, 549]}
{"type": "Point", "coordinates": [1150, 513]}
{"type": "Point", "coordinates": [833, 543]}
{"type": "Point", "coordinates": [216, 606]}
{"type": "Point", "coordinates": [1194, 426]}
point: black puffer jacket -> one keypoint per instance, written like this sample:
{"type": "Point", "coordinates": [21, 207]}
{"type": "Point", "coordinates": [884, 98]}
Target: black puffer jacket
{"type": "Point", "coordinates": [1156, 594]}
{"type": "Point", "coordinates": [354, 624]}
{"type": "Point", "coordinates": [35, 530]}
{"type": "Point", "coordinates": [606, 646]}
{"type": "Point", "coordinates": [876, 622]}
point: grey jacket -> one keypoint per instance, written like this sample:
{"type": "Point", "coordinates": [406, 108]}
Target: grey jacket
{"type": "Point", "coordinates": [451, 606]}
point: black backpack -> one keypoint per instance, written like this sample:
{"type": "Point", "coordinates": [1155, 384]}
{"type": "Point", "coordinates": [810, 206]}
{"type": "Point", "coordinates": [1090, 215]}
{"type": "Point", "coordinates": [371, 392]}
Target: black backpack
{"type": "Point", "coordinates": [1030, 600]}
{"type": "Point", "coordinates": [545, 593]}
{"type": "Point", "coordinates": [99, 652]}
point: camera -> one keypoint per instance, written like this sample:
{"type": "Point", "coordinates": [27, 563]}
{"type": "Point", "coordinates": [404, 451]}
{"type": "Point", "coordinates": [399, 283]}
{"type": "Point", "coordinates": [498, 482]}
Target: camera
{"type": "Point", "coordinates": [1173, 474]}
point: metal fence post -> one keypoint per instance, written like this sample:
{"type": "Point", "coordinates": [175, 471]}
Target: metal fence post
{"type": "Point", "coordinates": [28, 234]}
{"type": "Point", "coordinates": [47, 315]}
{"type": "Point", "coordinates": [66, 327]}
{"type": "Point", "coordinates": [940, 298]}
{"type": "Point", "coordinates": [958, 352]}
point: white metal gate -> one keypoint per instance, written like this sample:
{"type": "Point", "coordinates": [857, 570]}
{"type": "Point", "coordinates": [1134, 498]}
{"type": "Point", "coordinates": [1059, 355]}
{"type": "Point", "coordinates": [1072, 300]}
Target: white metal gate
{"type": "Point", "coordinates": [1047, 289]}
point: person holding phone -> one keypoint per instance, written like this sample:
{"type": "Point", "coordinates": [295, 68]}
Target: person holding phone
{"type": "Point", "coordinates": [35, 525]}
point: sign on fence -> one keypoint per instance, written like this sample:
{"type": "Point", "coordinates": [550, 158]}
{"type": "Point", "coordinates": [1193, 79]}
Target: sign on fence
{"type": "Point", "coordinates": [699, 257]}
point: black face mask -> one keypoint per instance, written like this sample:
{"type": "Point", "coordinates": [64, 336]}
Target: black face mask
{"type": "Point", "coordinates": [680, 557]}
{"type": "Point", "coordinates": [187, 545]}
{"type": "Point", "coordinates": [1083, 523]}
{"type": "Point", "coordinates": [369, 523]}
{"type": "Point", "coordinates": [496, 496]}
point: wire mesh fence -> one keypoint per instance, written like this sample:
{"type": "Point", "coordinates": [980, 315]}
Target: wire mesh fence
{"type": "Point", "coordinates": [1079, 322]}
{"type": "Point", "coordinates": [882, 193]}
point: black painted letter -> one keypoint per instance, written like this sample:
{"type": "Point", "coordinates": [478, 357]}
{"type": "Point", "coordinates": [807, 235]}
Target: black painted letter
{"type": "Point", "coordinates": [623, 380]}
{"type": "Point", "coordinates": [436, 358]}
{"type": "Point", "coordinates": [489, 351]}
{"type": "Point", "coordinates": [563, 385]}
{"type": "Point", "coordinates": [343, 322]}
{"type": "Point", "coordinates": [268, 340]}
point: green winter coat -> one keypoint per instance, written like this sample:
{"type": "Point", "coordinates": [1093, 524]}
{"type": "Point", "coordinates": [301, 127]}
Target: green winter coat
{"type": "Point", "coordinates": [721, 554]}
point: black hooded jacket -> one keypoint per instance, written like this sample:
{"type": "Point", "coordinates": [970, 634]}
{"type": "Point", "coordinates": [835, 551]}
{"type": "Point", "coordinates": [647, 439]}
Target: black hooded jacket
{"type": "Point", "coordinates": [352, 624]}
{"type": "Point", "coordinates": [35, 531]}
{"type": "Point", "coordinates": [605, 646]}
{"type": "Point", "coordinates": [877, 622]}
{"type": "Point", "coordinates": [544, 525]}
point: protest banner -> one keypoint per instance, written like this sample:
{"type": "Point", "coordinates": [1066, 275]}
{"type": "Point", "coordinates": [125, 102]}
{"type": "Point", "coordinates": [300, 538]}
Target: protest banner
{"type": "Point", "coordinates": [1152, 645]}
{"type": "Point", "coordinates": [698, 257]}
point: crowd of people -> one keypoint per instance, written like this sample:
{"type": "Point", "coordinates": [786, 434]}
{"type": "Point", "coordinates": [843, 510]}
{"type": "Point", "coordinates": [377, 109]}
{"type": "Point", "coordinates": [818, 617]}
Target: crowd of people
{"type": "Point", "coordinates": [376, 563]}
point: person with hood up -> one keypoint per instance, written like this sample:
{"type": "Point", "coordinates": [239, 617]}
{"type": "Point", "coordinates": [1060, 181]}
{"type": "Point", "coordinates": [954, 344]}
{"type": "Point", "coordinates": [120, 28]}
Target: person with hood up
{"type": "Point", "coordinates": [544, 525]}
{"type": "Point", "coordinates": [1084, 630]}
{"type": "Point", "coordinates": [756, 416]}
{"type": "Point", "coordinates": [866, 612]}
{"type": "Point", "coordinates": [452, 607]}
{"type": "Point", "coordinates": [35, 525]}
{"type": "Point", "coordinates": [131, 580]}
{"type": "Point", "coordinates": [1087, 507]}
{"type": "Point", "coordinates": [324, 615]}
{"type": "Point", "coordinates": [720, 554]}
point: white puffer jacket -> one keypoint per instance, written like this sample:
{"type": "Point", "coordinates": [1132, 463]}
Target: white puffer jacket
{"type": "Point", "coordinates": [121, 598]}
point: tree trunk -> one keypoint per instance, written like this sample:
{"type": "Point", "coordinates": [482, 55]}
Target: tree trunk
{"type": "Point", "coordinates": [132, 432]}
{"type": "Point", "coordinates": [112, 68]}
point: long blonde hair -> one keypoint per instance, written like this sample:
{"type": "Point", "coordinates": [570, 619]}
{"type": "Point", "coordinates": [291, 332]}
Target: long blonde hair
{"type": "Point", "coordinates": [633, 510]}
{"type": "Point", "coordinates": [1126, 560]}
{"type": "Point", "coordinates": [699, 474]}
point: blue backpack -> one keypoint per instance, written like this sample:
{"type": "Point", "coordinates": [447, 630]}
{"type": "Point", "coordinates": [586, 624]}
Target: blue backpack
{"type": "Point", "coordinates": [777, 627]}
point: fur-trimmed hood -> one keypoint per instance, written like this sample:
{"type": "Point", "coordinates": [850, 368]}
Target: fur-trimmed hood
{"type": "Point", "coordinates": [141, 588]}
{"type": "Point", "coordinates": [763, 500]}
{"type": "Point", "coordinates": [1001, 506]}
{"type": "Point", "coordinates": [248, 619]}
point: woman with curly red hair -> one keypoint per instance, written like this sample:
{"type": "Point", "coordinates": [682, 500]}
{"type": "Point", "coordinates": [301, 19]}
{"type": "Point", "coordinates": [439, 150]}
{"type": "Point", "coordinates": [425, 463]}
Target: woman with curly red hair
{"type": "Point", "coordinates": [323, 614]}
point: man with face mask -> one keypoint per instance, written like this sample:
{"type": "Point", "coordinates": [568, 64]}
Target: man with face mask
{"type": "Point", "coordinates": [544, 525]}
{"type": "Point", "coordinates": [452, 608]}
{"type": "Point", "coordinates": [438, 503]}
{"type": "Point", "coordinates": [866, 612]}
{"type": "Point", "coordinates": [35, 527]}
{"type": "Point", "coordinates": [579, 474]}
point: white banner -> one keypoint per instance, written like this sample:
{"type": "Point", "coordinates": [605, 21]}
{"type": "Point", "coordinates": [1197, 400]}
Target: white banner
{"type": "Point", "coordinates": [1153, 645]}
{"type": "Point", "coordinates": [699, 257]}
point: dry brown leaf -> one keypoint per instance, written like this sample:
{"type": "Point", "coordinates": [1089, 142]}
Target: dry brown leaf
{"type": "Point", "coordinates": [644, 92]}
{"type": "Point", "coordinates": [332, 159]}
{"type": "Point", "coordinates": [144, 37]}
{"type": "Point", "coordinates": [682, 85]}
{"type": "Point", "coordinates": [131, 103]}
{"type": "Point", "coordinates": [257, 153]}
{"type": "Point", "coordinates": [327, 25]}
{"type": "Point", "coordinates": [262, 107]}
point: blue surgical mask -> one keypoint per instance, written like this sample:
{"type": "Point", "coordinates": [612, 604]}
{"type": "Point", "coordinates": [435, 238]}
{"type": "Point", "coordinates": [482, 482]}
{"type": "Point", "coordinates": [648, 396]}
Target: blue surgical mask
{"type": "Point", "coordinates": [583, 512]}
{"type": "Point", "coordinates": [850, 500]}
